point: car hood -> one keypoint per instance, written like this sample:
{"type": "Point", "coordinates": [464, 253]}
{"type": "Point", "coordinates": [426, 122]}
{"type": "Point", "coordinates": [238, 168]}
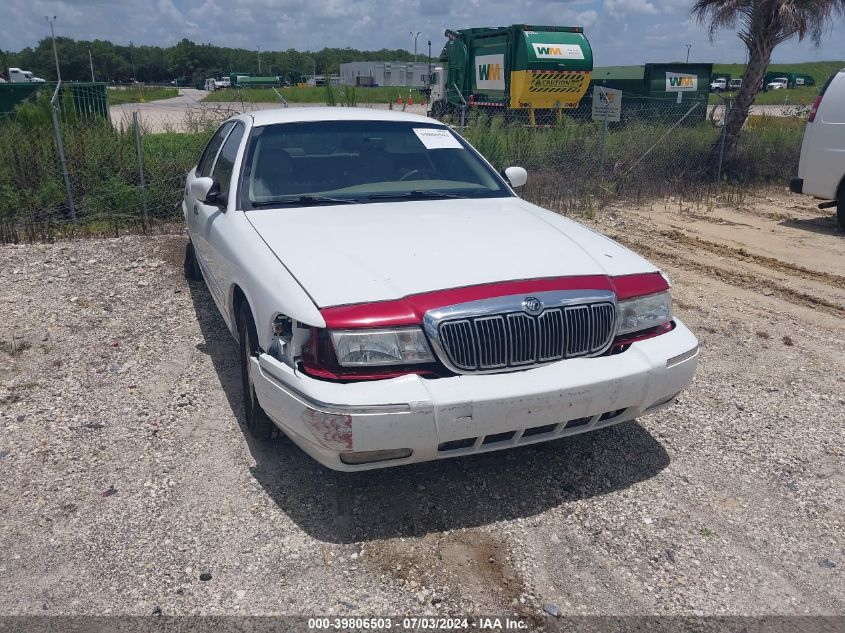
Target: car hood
{"type": "Point", "coordinates": [348, 254]}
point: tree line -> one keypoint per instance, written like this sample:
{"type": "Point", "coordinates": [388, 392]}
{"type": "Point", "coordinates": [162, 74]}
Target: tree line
{"type": "Point", "coordinates": [186, 61]}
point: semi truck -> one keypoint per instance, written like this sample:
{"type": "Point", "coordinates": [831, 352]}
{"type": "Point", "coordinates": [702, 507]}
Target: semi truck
{"type": "Point", "coordinates": [18, 76]}
{"type": "Point", "coordinates": [533, 71]}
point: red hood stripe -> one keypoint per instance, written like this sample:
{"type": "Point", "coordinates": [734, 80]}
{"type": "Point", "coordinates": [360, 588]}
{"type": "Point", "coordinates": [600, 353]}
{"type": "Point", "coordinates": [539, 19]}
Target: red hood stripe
{"type": "Point", "coordinates": [410, 310]}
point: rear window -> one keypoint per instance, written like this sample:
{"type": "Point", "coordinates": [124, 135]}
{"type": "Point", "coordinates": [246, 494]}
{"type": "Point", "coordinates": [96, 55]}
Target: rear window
{"type": "Point", "coordinates": [829, 81]}
{"type": "Point", "coordinates": [830, 109]}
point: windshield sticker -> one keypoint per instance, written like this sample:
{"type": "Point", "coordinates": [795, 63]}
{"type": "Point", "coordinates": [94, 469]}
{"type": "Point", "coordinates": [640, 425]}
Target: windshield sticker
{"type": "Point", "coordinates": [437, 139]}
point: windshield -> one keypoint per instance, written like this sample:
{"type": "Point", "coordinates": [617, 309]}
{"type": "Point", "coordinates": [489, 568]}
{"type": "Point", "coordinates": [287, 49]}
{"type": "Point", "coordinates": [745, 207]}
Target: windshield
{"type": "Point", "coordinates": [334, 162]}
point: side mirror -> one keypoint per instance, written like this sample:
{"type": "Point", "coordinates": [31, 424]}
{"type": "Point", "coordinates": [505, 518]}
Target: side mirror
{"type": "Point", "coordinates": [516, 176]}
{"type": "Point", "coordinates": [205, 190]}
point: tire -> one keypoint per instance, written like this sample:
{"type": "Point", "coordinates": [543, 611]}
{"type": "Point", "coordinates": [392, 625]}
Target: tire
{"type": "Point", "coordinates": [192, 266]}
{"type": "Point", "coordinates": [437, 110]}
{"type": "Point", "coordinates": [840, 210]}
{"type": "Point", "coordinates": [256, 421]}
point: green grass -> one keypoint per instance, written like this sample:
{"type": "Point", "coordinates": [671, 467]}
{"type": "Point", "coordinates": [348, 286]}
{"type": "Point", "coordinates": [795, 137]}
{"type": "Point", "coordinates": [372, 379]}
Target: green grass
{"type": "Point", "coordinates": [140, 94]}
{"type": "Point", "coordinates": [382, 94]}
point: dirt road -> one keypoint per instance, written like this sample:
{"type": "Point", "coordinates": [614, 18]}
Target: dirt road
{"type": "Point", "coordinates": [124, 473]}
{"type": "Point", "coordinates": [187, 112]}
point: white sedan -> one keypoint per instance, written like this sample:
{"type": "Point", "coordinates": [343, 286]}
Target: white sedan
{"type": "Point", "coordinates": [395, 301]}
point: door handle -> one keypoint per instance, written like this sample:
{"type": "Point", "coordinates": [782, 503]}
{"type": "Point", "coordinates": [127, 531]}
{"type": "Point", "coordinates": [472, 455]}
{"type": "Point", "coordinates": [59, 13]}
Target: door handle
{"type": "Point", "coordinates": [196, 210]}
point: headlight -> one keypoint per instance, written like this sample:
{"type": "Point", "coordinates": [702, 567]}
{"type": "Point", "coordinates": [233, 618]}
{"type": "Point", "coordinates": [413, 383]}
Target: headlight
{"type": "Point", "coordinates": [642, 313]}
{"type": "Point", "coordinates": [357, 348]}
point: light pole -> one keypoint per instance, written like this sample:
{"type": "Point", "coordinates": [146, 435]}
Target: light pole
{"type": "Point", "coordinates": [689, 46]}
{"type": "Point", "coordinates": [91, 64]}
{"type": "Point", "coordinates": [132, 59]}
{"type": "Point", "coordinates": [415, 36]}
{"type": "Point", "coordinates": [258, 47]}
{"type": "Point", "coordinates": [55, 52]}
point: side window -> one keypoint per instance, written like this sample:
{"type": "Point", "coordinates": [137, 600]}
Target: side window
{"type": "Point", "coordinates": [226, 160]}
{"type": "Point", "coordinates": [207, 160]}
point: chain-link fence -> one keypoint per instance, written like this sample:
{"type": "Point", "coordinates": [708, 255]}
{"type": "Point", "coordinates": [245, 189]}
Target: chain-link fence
{"type": "Point", "coordinates": [127, 173]}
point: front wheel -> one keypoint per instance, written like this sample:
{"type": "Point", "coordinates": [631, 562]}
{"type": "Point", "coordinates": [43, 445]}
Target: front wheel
{"type": "Point", "coordinates": [257, 422]}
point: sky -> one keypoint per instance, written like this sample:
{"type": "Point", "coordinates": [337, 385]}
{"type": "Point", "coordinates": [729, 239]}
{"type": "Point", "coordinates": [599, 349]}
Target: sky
{"type": "Point", "coordinates": [620, 31]}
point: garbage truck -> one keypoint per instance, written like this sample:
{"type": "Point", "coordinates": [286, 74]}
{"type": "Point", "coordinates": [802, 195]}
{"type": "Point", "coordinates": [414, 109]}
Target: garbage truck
{"type": "Point", "coordinates": [533, 72]}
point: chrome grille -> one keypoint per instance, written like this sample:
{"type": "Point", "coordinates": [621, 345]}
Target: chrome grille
{"type": "Point", "coordinates": [517, 340]}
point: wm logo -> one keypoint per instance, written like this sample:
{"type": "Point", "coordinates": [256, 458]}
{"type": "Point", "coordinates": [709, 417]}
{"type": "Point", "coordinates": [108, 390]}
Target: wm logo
{"type": "Point", "coordinates": [489, 72]}
{"type": "Point", "coordinates": [548, 50]}
{"type": "Point", "coordinates": [680, 82]}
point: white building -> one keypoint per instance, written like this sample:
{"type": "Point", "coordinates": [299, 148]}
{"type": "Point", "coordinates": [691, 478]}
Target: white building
{"type": "Point", "coordinates": [384, 74]}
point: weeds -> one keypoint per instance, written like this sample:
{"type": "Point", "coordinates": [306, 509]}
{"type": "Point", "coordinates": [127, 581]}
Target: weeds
{"type": "Point", "coordinates": [104, 175]}
{"type": "Point", "coordinates": [15, 347]}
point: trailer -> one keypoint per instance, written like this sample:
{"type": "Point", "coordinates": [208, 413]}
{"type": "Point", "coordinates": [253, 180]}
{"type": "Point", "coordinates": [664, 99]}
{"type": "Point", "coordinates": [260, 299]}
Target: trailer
{"type": "Point", "coordinates": [533, 71]}
{"type": "Point", "coordinates": [249, 80]}
{"type": "Point", "coordinates": [658, 90]}
{"type": "Point", "coordinates": [803, 79]}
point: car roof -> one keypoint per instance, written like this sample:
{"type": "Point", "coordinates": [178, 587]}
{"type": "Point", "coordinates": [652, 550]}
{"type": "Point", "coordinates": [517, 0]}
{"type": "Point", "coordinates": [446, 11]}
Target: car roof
{"type": "Point", "coordinates": [308, 114]}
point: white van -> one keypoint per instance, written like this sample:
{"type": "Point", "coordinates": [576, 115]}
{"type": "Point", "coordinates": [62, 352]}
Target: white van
{"type": "Point", "coordinates": [821, 170]}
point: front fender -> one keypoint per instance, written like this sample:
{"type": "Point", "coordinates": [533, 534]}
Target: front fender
{"type": "Point", "coordinates": [265, 282]}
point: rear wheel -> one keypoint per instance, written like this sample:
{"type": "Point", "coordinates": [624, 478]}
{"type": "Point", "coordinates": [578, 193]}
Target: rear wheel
{"type": "Point", "coordinates": [257, 422]}
{"type": "Point", "coordinates": [840, 210]}
{"type": "Point", "coordinates": [437, 110]}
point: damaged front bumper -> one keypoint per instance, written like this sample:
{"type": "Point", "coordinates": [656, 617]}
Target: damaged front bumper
{"type": "Point", "coordinates": [460, 415]}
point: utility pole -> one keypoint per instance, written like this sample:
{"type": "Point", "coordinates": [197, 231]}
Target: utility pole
{"type": "Point", "coordinates": [415, 36]}
{"type": "Point", "coordinates": [429, 63]}
{"type": "Point", "coordinates": [258, 46]}
{"type": "Point", "coordinates": [132, 59]}
{"type": "Point", "coordinates": [55, 52]}
{"type": "Point", "coordinates": [91, 63]}
{"type": "Point", "coordinates": [689, 46]}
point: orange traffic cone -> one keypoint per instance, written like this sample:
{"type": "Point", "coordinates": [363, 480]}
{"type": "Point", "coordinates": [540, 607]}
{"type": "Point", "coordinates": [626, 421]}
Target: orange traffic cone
{"type": "Point", "coordinates": [410, 99]}
{"type": "Point", "coordinates": [399, 100]}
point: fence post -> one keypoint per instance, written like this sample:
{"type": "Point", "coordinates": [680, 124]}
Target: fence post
{"type": "Point", "coordinates": [463, 107]}
{"type": "Point", "coordinates": [604, 131]}
{"type": "Point", "coordinates": [61, 149]}
{"type": "Point", "coordinates": [722, 144]}
{"type": "Point", "coordinates": [140, 153]}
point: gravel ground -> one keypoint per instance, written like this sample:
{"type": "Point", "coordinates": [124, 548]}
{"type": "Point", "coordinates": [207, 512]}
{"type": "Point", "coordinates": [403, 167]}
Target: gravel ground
{"type": "Point", "coordinates": [128, 487]}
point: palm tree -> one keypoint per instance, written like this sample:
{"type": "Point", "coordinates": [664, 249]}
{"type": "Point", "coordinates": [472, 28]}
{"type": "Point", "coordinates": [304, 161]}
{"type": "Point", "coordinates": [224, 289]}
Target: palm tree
{"type": "Point", "coordinates": [762, 25]}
